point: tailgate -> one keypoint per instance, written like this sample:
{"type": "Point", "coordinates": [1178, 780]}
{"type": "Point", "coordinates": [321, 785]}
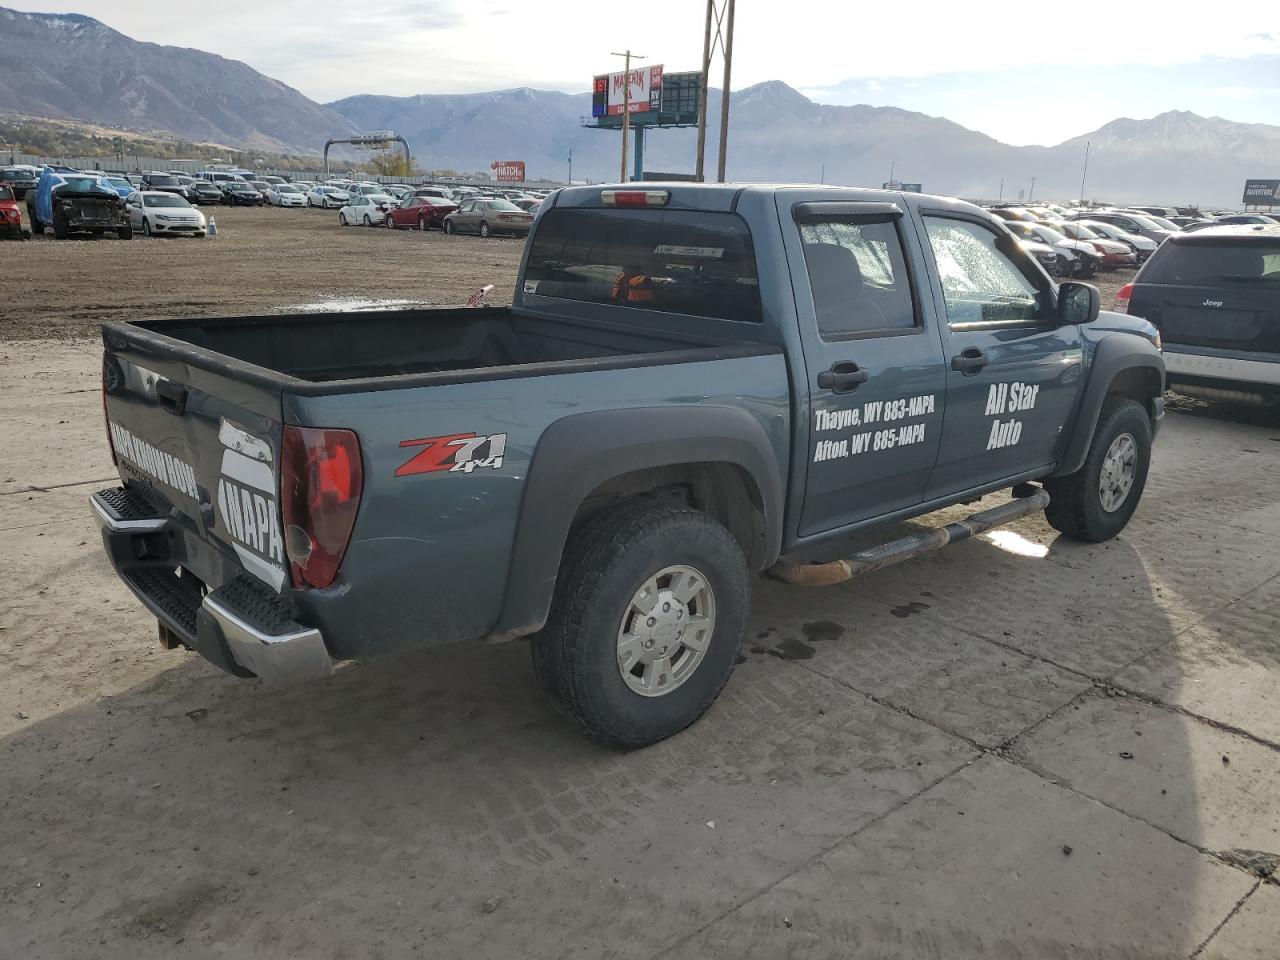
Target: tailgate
{"type": "Point", "coordinates": [203, 446]}
{"type": "Point", "coordinates": [1228, 318]}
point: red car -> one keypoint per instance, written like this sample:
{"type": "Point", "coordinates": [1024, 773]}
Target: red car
{"type": "Point", "coordinates": [11, 216]}
{"type": "Point", "coordinates": [420, 212]}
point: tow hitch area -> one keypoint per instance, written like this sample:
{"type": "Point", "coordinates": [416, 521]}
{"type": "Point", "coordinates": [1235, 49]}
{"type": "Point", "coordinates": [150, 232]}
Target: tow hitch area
{"type": "Point", "coordinates": [1027, 499]}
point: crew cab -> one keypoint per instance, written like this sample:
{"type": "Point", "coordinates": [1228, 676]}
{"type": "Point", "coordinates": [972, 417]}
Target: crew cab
{"type": "Point", "coordinates": [695, 383]}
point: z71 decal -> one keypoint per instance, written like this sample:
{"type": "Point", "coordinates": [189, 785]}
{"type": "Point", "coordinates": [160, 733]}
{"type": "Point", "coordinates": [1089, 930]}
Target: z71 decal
{"type": "Point", "coordinates": [455, 453]}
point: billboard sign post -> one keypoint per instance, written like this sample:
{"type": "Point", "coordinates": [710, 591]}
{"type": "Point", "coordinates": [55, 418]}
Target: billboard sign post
{"type": "Point", "coordinates": [1262, 193]}
{"type": "Point", "coordinates": [508, 171]}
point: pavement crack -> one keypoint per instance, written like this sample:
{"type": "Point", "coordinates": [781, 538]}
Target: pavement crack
{"type": "Point", "coordinates": [1225, 920]}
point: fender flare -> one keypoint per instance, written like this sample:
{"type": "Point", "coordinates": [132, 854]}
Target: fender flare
{"type": "Point", "coordinates": [576, 454]}
{"type": "Point", "coordinates": [1112, 356]}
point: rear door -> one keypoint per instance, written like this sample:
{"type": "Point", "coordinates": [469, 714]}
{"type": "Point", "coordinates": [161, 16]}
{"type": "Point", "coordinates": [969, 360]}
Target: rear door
{"type": "Point", "coordinates": [874, 366]}
{"type": "Point", "coordinates": [1013, 373]}
{"type": "Point", "coordinates": [204, 444]}
{"type": "Point", "coordinates": [1215, 300]}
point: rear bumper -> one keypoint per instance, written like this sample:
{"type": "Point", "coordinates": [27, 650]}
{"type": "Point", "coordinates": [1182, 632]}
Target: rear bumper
{"type": "Point", "coordinates": [242, 627]}
{"type": "Point", "coordinates": [1230, 366]}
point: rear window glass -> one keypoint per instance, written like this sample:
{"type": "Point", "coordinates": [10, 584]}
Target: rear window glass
{"type": "Point", "coordinates": [674, 261]}
{"type": "Point", "coordinates": [858, 276]}
{"type": "Point", "coordinates": [1201, 264]}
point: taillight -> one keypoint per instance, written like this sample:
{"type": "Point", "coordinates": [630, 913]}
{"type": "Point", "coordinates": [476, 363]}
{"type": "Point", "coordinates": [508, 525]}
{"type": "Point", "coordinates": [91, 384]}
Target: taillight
{"type": "Point", "coordinates": [634, 198]}
{"type": "Point", "coordinates": [321, 480]}
{"type": "Point", "coordinates": [1123, 296]}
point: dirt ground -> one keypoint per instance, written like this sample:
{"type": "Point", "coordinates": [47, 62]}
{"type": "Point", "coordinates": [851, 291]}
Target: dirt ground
{"type": "Point", "coordinates": [1019, 747]}
{"type": "Point", "coordinates": [262, 260]}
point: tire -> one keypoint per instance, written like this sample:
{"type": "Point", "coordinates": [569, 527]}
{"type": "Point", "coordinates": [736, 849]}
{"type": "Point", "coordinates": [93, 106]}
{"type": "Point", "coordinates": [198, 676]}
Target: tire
{"type": "Point", "coordinates": [484, 229]}
{"type": "Point", "coordinates": [342, 219]}
{"type": "Point", "coordinates": [1076, 507]}
{"type": "Point", "coordinates": [124, 231]}
{"type": "Point", "coordinates": [60, 226]}
{"type": "Point", "coordinates": [389, 222]}
{"type": "Point", "coordinates": [422, 224]}
{"type": "Point", "coordinates": [146, 227]}
{"type": "Point", "coordinates": [607, 564]}
{"type": "Point", "coordinates": [367, 221]}
{"type": "Point", "coordinates": [448, 227]}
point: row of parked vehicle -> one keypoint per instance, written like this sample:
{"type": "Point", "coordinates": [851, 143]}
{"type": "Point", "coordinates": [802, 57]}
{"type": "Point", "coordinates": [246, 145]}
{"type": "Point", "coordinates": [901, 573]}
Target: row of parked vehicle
{"type": "Point", "coordinates": [1078, 242]}
{"type": "Point", "coordinates": [451, 209]}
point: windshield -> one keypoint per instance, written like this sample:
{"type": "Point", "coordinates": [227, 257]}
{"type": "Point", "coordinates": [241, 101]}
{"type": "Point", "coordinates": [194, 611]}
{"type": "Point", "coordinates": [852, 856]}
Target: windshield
{"type": "Point", "coordinates": [673, 261]}
{"type": "Point", "coordinates": [238, 186]}
{"type": "Point", "coordinates": [6, 193]}
{"type": "Point", "coordinates": [84, 184]}
{"type": "Point", "coordinates": [503, 205]}
{"type": "Point", "coordinates": [1080, 231]}
{"type": "Point", "coordinates": [1162, 222]}
{"type": "Point", "coordinates": [120, 182]}
{"type": "Point", "coordinates": [167, 200]}
{"type": "Point", "coordinates": [1142, 220]}
{"type": "Point", "coordinates": [285, 188]}
{"type": "Point", "coordinates": [1204, 264]}
{"type": "Point", "coordinates": [1049, 235]}
{"type": "Point", "coordinates": [163, 181]}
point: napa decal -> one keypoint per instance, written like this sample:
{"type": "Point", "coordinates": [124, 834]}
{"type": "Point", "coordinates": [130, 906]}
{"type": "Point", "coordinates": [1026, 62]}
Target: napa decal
{"type": "Point", "coordinates": [883, 417]}
{"type": "Point", "coordinates": [247, 505]}
{"type": "Point", "coordinates": [454, 453]}
{"type": "Point", "coordinates": [165, 468]}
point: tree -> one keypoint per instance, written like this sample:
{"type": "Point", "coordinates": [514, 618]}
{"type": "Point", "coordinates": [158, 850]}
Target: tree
{"type": "Point", "coordinates": [389, 163]}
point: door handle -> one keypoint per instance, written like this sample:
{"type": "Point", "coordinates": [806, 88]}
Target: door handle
{"type": "Point", "coordinates": [969, 361]}
{"type": "Point", "coordinates": [843, 377]}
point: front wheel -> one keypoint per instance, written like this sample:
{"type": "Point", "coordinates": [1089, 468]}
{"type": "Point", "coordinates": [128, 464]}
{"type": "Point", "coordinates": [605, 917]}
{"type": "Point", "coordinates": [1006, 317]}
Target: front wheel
{"type": "Point", "coordinates": [422, 224]}
{"type": "Point", "coordinates": [646, 621]}
{"type": "Point", "coordinates": [124, 231]}
{"type": "Point", "coordinates": [146, 227]}
{"type": "Point", "coordinates": [448, 227]}
{"type": "Point", "coordinates": [342, 219]}
{"type": "Point", "coordinates": [1096, 502]}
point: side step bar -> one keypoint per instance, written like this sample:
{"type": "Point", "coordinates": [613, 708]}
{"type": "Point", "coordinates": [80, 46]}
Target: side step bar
{"type": "Point", "coordinates": [913, 545]}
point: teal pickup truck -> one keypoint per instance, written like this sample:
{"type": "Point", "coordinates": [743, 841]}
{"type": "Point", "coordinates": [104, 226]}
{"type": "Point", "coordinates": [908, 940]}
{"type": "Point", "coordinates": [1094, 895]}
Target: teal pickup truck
{"type": "Point", "coordinates": [695, 383]}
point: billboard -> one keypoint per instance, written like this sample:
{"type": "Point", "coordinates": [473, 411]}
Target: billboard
{"type": "Point", "coordinates": [903, 187]}
{"type": "Point", "coordinates": [1260, 192]}
{"type": "Point", "coordinates": [609, 91]}
{"type": "Point", "coordinates": [511, 171]}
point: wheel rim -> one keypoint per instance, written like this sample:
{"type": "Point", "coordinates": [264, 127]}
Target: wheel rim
{"type": "Point", "coordinates": [422, 224]}
{"type": "Point", "coordinates": [1119, 467]}
{"type": "Point", "coordinates": [367, 221]}
{"type": "Point", "coordinates": [666, 630]}
{"type": "Point", "coordinates": [484, 229]}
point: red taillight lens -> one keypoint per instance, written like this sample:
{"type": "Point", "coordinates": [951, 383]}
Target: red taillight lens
{"type": "Point", "coordinates": [635, 198]}
{"type": "Point", "coordinates": [321, 480]}
{"type": "Point", "coordinates": [1123, 296]}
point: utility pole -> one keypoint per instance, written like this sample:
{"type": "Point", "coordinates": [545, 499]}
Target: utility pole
{"type": "Point", "coordinates": [626, 107]}
{"type": "Point", "coordinates": [702, 95]}
{"type": "Point", "coordinates": [570, 166]}
{"type": "Point", "coordinates": [1002, 188]}
{"type": "Point", "coordinates": [1032, 192]}
{"type": "Point", "coordinates": [892, 163]}
{"type": "Point", "coordinates": [724, 95]}
{"type": "Point", "coordinates": [1085, 174]}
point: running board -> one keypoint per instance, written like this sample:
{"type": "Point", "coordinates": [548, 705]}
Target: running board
{"type": "Point", "coordinates": [913, 545]}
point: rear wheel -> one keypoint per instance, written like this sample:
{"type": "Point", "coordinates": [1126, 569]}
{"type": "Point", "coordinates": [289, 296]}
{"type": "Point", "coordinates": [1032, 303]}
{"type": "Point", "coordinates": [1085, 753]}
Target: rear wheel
{"type": "Point", "coordinates": [367, 221]}
{"type": "Point", "coordinates": [646, 621]}
{"type": "Point", "coordinates": [484, 229]}
{"type": "Point", "coordinates": [1096, 502]}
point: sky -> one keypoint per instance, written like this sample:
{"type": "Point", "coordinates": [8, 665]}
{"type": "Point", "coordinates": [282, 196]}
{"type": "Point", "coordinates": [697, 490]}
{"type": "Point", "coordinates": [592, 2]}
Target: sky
{"type": "Point", "coordinates": [1022, 72]}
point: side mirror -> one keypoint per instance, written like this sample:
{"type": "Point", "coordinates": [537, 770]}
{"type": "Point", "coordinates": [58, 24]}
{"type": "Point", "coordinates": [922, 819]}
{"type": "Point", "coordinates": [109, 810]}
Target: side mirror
{"type": "Point", "coordinates": [1077, 302]}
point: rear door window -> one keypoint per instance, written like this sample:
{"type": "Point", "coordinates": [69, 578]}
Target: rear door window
{"type": "Point", "coordinates": [1217, 264]}
{"type": "Point", "coordinates": [858, 275]}
{"type": "Point", "coordinates": [675, 261]}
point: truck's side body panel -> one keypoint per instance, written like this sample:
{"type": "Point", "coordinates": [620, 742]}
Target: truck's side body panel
{"type": "Point", "coordinates": [433, 542]}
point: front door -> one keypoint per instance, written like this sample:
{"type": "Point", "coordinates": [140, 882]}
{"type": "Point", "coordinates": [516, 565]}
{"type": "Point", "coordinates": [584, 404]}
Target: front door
{"type": "Point", "coordinates": [874, 366]}
{"type": "Point", "coordinates": [1013, 372]}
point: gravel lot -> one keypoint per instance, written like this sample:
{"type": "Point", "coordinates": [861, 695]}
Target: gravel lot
{"type": "Point", "coordinates": [1018, 747]}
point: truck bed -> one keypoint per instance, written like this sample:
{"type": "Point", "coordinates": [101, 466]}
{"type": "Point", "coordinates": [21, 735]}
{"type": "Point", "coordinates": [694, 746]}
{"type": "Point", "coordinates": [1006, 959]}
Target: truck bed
{"type": "Point", "coordinates": [327, 347]}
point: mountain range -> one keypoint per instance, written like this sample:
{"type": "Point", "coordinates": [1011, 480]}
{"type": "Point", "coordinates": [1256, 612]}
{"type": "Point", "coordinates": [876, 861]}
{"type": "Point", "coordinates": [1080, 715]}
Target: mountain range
{"type": "Point", "coordinates": [776, 133]}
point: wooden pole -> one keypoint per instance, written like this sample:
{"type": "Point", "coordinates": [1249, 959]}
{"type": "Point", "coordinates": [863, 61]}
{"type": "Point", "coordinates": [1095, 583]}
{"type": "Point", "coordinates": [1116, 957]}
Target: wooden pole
{"type": "Point", "coordinates": [702, 105]}
{"type": "Point", "coordinates": [724, 96]}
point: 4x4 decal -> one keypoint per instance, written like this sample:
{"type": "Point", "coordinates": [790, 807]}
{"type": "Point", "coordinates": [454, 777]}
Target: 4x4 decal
{"type": "Point", "coordinates": [455, 453]}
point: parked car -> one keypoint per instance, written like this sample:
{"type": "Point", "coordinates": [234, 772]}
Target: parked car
{"type": "Point", "coordinates": [605, 465]}
{"type": "Point", "coordinates": [1165, 212]}
{"type": "Point", "coordinates": [11, 227]}
{"type": "Point", "coordinates": [1053, 265]}
{"type": "Point", "coordinates": [444, 193]}
{"type": "Point", "coordinates": [121, 185]}
{"type": "Point", "coordinates": [238, 193]}
{"type": "Point", "coordinates": [368, 210]}
{"type": "Point", "coordinates": [1183, 222]}
{"type": "Point", "coordinates": [1114, 253]}
{"type": "Point", "coordinates": [1238, 219]}
{"type": "Point", "coordinates": [285, 195]}
{"type": "Point", "coordinates": [304, 185]}
{"type": "Point", "coordinates": [487, 217]}
{"type": "Point", "coordinates": [163, 213]}
{"type": "Point", "coordinates": [272, 181]}
{"type": "Point", "coordinates": [420, 212]}
{"type": "Point", "coordinates": [529, 205]}
{"type": "Point", "coordinates": [219, 177]}
{"type": "Point", "coordinates": [155, 180]}
{"type": "Point", "coordinates": [1158, 220]}
{"type": "Point", "coordinates": [1215, 297]}
{"type": "Point", "coordinates": [204, 193]}
{"type": "Point", "coordinates": [1135, 223]}
{"type": "Point", "coordinates": [19, 180]}
{"type": "Point", "coordinates": [330, 198]}
{"type": "Point", "coordinates": [1077, 259]}
{"type": "Point", "coordinates": [74, 201]}
{"type": "Point", "coordinates": [1141, 246]}
{"type": "Point", "coordinates": [1013, 213]}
